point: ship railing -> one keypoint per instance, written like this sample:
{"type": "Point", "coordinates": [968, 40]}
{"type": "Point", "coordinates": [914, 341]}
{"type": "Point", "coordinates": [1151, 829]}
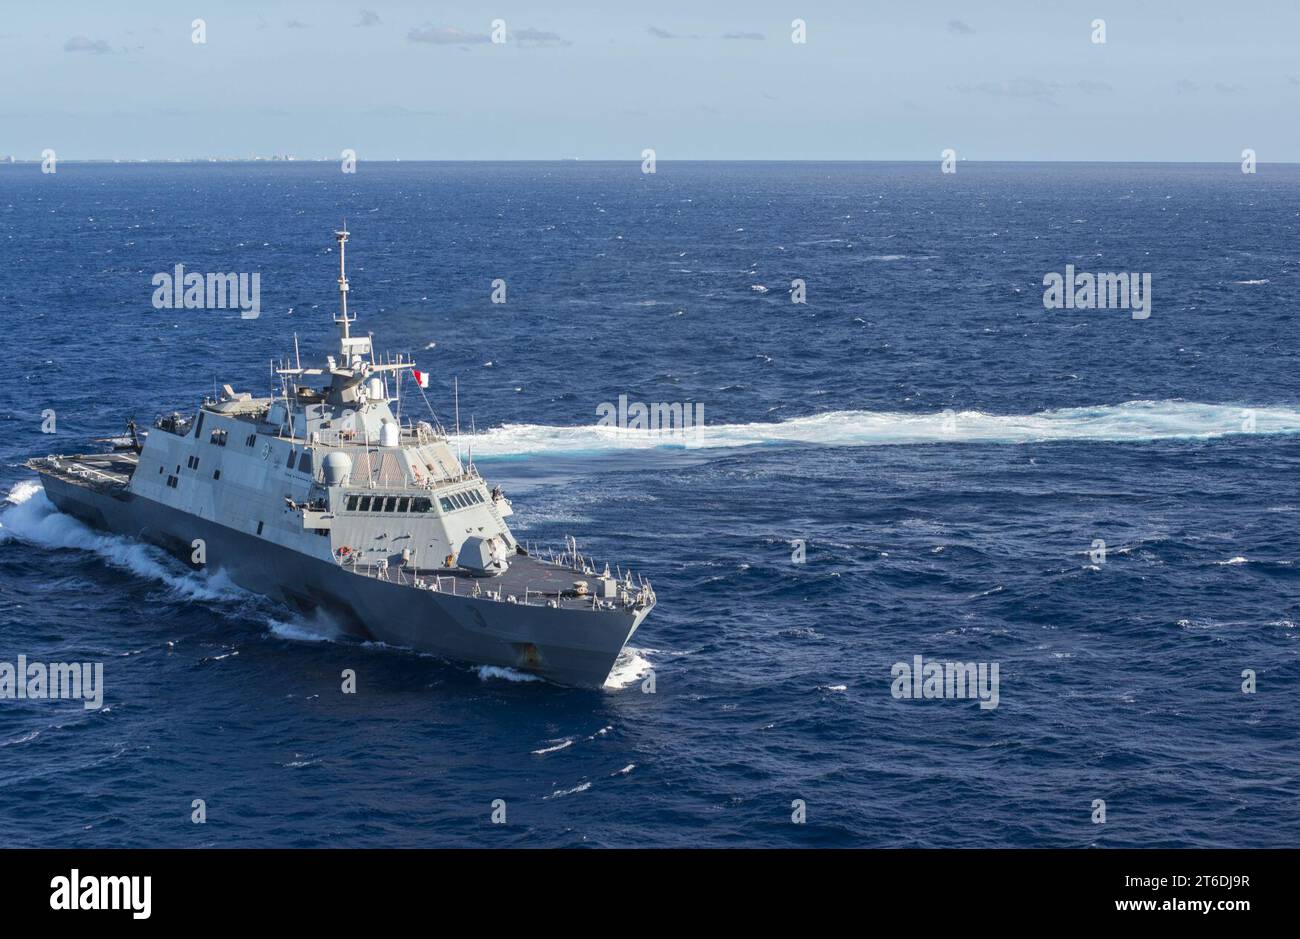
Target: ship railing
{"type": "Point", "coordinates": [572, 561]}
{"type": "Point", "coordinates": [438, 583]}
{"type": "Point", "coordinates": [420, 435]}
{"type": "Point", "coordinates": [352, 438]}
{"type": "Point", "coordinates": [406, 483]}
{"type": "Point", "coordinates": [173, 424]}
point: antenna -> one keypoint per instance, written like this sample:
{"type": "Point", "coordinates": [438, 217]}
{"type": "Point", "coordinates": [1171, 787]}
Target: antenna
{"type": "Point", "coordinates": [341, 236]}
{"type": "Point", "coordinates": [455, 384]}
{"type": "Point", "coordinates": [397, 387]}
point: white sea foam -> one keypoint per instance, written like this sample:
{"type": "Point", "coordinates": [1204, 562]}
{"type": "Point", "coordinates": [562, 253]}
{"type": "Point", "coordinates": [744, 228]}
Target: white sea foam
{"type": "Point", "coordinates": [486, 672]}
{"type": "Point", "coordinates": [1133, 421]}
{"type": "Point", "coordinates": [30, 516]}
{"type": "Point", "coordinates": [631, 667]}
{"type": "Point", "coordinates": [559, 793]}
{"type": "Point", "coordinates": [25, 738]}
{"type": "Point", "coordinates": [301, 631]}
{"type": "Point", "coordinates": [559, 746]}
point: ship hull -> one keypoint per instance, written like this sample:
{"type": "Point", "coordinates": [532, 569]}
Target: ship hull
{"type": "Point", "coordinates": [568, 646]}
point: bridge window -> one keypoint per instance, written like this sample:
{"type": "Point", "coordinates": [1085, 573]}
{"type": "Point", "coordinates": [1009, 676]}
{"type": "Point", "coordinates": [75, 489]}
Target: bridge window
{"type": "Point", "coordinates": [402, 504]}
{"type": "Point", "coordinates": [419, 504]}
{"type": "Point", "coordinates": [365, 504]}
{"type": "Point", "coordinates": [445, 503]}
{"type": "Point", "coordinates": [352, 503]}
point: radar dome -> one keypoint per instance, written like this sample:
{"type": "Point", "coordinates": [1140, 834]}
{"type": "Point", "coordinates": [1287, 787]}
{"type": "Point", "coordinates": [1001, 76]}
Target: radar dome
{"type": "Point", "coordinates": [338, 468]}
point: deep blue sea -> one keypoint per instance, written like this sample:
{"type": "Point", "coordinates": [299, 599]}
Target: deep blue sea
{"type": "Point", "coordinates": [947, 449]}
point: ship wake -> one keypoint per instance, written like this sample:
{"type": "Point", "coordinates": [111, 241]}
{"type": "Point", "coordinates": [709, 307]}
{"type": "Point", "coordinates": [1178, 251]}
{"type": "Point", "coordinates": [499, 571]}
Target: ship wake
{"type": "Point", "coordinates": [29, 516]}
{"type": "Point", "coordinates": [1132, 421]}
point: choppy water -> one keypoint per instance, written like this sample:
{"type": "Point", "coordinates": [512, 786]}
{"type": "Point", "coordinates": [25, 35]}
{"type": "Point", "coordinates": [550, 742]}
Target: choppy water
{"type": "Point", "coordinates": [948, 449]}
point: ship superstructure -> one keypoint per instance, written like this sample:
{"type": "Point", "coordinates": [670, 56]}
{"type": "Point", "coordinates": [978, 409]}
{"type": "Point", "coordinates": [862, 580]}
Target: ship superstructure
{"type": "Point", "coordinates": [322, 497]}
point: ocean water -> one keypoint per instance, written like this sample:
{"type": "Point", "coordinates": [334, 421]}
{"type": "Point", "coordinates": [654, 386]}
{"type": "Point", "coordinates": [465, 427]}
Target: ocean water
{"type": "Point", "coordinates": [947, 450]}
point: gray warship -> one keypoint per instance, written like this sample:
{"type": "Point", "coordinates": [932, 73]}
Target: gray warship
{"type": "Point", "coordinates": [322, 498]}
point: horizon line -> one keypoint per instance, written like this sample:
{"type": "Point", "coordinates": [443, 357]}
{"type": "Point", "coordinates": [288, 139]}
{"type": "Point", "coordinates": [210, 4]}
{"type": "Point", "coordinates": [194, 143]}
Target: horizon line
{"type": "Point", "coordinates": [633, 160]}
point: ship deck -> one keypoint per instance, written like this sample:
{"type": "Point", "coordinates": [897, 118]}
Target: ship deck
{"type": "Point", "coordinates": [103, 471]}
{"type": "Point", "coordinates": [529, 579]}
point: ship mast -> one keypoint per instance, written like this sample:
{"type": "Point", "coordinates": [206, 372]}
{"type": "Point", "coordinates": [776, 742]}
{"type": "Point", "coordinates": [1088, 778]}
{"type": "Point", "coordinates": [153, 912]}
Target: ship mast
{"type": "Point", "coordinates": [343, 319]}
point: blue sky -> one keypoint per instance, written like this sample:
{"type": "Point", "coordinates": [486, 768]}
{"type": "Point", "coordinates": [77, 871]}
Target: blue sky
{"type": "Point", "coordinates": [1005, 80]}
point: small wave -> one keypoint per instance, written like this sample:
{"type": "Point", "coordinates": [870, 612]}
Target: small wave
{"type": "Point", "coordinates": [559, 746]}
{"type": "Point", "coordinates": [1263, 281]}
{"type": "Point", "coordinates": [486, 672]}
{"type": "Point", "coordinates": [298, 632]}
{"type": "Point", "coordinates": [1237, 560]}
{"type": "Point", "coordinates": [25, 738]}
{"type": "Point", "coordinates": [559, 793]}
{"type": "Point", "coordinates": [758, 288]}
{"type": "Point", "coordinates": [300, 763]}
